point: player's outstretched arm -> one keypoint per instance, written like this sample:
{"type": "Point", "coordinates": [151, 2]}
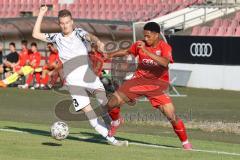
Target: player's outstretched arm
{"type": "Point", "coordinates": [119, 53]}
{"type": "Point", "coordinates": [37, 27]}
{"type": "Point", "coordinates": [97, 41]}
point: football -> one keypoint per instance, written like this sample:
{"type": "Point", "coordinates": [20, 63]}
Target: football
{"type": "Point", "coordinates": [59, 130]}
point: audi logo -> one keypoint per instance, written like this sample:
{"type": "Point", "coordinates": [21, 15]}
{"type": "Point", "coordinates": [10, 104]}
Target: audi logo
{"type": "Point", "coordinates": [201, 49]}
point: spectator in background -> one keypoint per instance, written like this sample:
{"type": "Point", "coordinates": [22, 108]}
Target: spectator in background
{"type": "Point", "coordinates": [10, 60]}
{"type": "Point", "coordinates": [22, 56]}
{"type": "Point", "coordinates": [34, 59]}
{"type": "Point", "coordinates": [22, 68]}
{"type": "Point", "coordinates": [52, 68]}
{"type": "Point", "coordinates": [1, 65]}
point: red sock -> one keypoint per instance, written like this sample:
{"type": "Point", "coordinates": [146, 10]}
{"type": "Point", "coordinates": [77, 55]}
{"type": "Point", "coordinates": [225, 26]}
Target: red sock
{"type": "Point", "coordinates": [29, 79]}
{"type": "Point", "coordinates": [38, 78]}
{"type": "Point", "coordinates": [45, 79]}
{"type": "Point", "coordinates": [180, 130]}
{"type": "Point", "coordinates": [115, 113]}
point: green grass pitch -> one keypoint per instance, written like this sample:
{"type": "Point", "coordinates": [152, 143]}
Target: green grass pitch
{"type": "Point", "coordinates": [26, 116]}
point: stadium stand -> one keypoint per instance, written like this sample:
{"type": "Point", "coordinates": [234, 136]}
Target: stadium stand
{"type": "Point", "coordinates": [220, 27]}
{"type": "Point", "coordinates": [123, 10]}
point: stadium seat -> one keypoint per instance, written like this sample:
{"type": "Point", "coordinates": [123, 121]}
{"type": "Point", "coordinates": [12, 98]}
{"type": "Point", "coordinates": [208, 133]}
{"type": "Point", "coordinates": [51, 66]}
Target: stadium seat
{"type": "Point", "coordinates": [225, 23]}
{"type": "Point", "coordinates": [237, 33]}
{"type": "Point", "coordinates": [221, 31]}
{"type": "Point", "coordinates": [178, 2]}
{"type": "Point", "coordinates": [217, 23]}
{"type": "Point", "coordinates": [204, 31]}
{"type": "Point", "coordinates": [98, 9]}
{"type": "Point", "coordinates": [237, 16]}
{"type": "Point", "coordinates": [230, 32]}
{"type": "Point", "coordinates": [234, 23]}
{"type": "Point", "coordinates": [212, 31]}
{"type": "Point", "coordinates": [196, 30]}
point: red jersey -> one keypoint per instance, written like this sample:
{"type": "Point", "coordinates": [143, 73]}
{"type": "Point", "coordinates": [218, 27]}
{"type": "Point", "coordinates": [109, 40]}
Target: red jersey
{"type": "Point", "coordinates": [149, 68]}
{"type": "Point", "coordinates": [53, 57]}
{"type": "Point", "coordinates": [36, 56]}
{"type": "Point", "coordinates": [96, 62]}
{"type": "Point", "coordinates": [23, 57]}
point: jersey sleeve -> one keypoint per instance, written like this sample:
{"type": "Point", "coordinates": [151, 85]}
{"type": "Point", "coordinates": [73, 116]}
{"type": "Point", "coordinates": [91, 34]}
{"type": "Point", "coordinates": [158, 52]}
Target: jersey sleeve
{"type": "Point", "coordinates": [52, 58]}
{"type": "Point", "coordinates": [51, 37]}
{"type": "Point", "coordinates": [133, 49]}
{"type": "Point", "coordinates": [82, 34]}
{"type": "Point", "coordinates": [167, 52]}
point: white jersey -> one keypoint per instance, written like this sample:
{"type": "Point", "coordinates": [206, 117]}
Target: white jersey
{"type": "Point", "coordinates": [69, 47]}
{"type": "Point", "coordinates": [73, 52]}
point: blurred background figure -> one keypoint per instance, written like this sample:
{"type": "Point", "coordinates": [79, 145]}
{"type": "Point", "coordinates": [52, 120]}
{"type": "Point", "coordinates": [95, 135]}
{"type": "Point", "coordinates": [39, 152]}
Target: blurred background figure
{"type": "Point", "coordinates": [10, 61]}
{"type": "Point", "coordinates": [51, 71]}
{"type": "Point", "coordinates": [34, 59]}
{"type": "Point", "coordinates": [1, 56]}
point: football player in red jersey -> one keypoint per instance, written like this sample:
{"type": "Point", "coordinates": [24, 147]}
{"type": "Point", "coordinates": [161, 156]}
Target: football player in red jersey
{"type": "Point", "coordinates": [34, 62]}
{"type": "Point", "coordinates": [151, 79]}
{"type": "Point", "coordinates": [52, 68]}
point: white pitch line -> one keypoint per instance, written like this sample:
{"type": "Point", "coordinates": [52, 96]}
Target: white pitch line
{"type": "Point", "coordinates": [148, 145]}
{"type": "Point", "coordinates": [193, 150]}
{"type": "Point", "coordinates": [165, 147]}
{"type": "Point", "coordinates": [11, 130]}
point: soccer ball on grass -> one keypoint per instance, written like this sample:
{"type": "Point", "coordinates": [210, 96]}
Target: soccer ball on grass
{"type": "Point", "coordinates": [59, 130]}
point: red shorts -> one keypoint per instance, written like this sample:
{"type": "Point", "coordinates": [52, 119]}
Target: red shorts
{"type": "Point", "coordinates": [153, 89]}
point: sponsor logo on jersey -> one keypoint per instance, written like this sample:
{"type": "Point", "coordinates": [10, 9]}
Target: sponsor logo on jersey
{"type": "Point", "coordinates": [158, 53]}
{"type": "Point", "coordinates": [149, 62]}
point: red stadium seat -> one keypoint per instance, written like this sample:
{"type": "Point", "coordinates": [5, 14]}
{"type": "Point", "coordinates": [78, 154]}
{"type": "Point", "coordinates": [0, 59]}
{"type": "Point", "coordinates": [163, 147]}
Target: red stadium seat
{"type": "Point", "coordinates": [221, 31]}
{"type": "Point", "coordinates": [97, 9]}
{"type": "Point", "coordinates": [230, 31]}
{"type": "Point", "coordinates": [217, 23]}
{"type": "Point", "coordinates": [225, 23]}
{"type": "Point", "coordinates": [212, 31]}
{"type": "Point", "coordinates": [237, 16]}
{"type": "Point", "coordinates": [204, 31]}
{"type": "Point", "coordinates": [179, 1]}
{"type": "Point", "coordinates": [237, 33]}
{"type": "Point", "coordinates": [234, 23]}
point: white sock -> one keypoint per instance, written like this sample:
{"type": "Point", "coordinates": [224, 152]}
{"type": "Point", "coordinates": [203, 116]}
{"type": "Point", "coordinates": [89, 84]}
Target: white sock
{"type": "Point", "coordinates": [185, 142]}
{"type": "Point", "coordinates": [116, 122]}
{"type": "Point", "coordinates": [101, 129]}
{"type": "Point", "coordinates": [111, 139]}
{"type": "Point", "coordinates": [98, 127]}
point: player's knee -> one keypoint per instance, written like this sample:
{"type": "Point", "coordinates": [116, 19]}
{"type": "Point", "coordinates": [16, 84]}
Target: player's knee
{"type": "Point", "coordinates": [169, 113]}
{"type": "Point", "coordinates": [172, 118]}
{"type": "Point", "coordinates": [101, 97]}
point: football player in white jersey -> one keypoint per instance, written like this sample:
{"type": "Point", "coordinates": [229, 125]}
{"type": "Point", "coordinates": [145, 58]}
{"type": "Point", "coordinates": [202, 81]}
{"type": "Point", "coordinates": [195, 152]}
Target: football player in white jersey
{"type": "Point", "coordinates": [73, 46]}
